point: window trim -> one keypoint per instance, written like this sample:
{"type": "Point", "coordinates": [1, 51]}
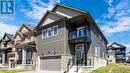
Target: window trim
{"type": "Point", "coordinates": [45, 33]}
{"type": "Point", "coordinates": [97, 51]}
{"type": "Point", "coordinates": [56, 30]}
{"type": "Point", "coordinates": [50, 28]}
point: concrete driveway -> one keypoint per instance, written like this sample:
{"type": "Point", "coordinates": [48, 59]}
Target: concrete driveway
{"type": "Point", "coordinates": [41, 72]}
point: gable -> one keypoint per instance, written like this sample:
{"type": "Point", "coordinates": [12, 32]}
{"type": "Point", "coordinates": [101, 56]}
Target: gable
{"type": "Point", "coordinates": [17, 37]}
{"type": "Point", "coordinates": [49, 18]}
{"type": "Point", "coordinates": [116, 45]}
{"type": "Point", "coordinates": [67, 12]}
{"type": "Point", "coordinates": [6, 38]}
{"type": "Point", "coordinates": [24, 29]}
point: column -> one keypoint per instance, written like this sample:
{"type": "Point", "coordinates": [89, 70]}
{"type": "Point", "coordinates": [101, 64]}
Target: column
{"type": "Point", "coordinates": [38, 63]}
{"type": "Point", "coordinates": [23, 56]}
{"type": "Point", "coordinates": [3, 57]}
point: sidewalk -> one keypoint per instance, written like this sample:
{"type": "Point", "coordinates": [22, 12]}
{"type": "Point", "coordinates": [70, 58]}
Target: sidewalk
{"type": "Point", "coordinates": [41, 72]}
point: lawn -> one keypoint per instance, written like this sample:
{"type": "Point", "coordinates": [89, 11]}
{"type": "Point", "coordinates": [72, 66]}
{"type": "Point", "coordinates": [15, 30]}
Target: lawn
{"type": "Point", "coordinates": [113, 68]}
{"type": "Point", "coordinates": [12, 71]}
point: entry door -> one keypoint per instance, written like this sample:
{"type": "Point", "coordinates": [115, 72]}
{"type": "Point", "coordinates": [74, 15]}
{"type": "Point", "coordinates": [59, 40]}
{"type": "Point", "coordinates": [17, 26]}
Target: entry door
{"type": "Point", "coordinates": [79, 54]}
{"type": "Point", "coordinates": [80, 32]}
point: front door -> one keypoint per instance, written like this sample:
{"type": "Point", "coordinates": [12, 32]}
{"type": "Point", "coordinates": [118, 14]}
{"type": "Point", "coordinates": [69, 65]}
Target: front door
{"type": "Point", "coordinates": [79, 54]}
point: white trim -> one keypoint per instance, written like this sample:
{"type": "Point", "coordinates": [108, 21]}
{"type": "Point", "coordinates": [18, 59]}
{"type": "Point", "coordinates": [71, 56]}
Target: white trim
{"type": "Point", "coordinates": [56, 26]}
{"type": "Point", "coordinates": [45, 34]}
{"type": "Point", "coordinates": [49, 29]}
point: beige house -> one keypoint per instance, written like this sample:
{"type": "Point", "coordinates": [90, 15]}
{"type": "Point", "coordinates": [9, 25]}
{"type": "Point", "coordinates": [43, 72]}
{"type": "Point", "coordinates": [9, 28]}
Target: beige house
{"type": "Point", "coordinates": [7, 50]}
{"type": "Point", "coordinates": [24, 42]}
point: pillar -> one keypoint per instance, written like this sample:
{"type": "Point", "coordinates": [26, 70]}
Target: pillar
{"type": "Point", "coordinates": [3, 57]}
{"type": "Point", "coordinates": [23, 56]}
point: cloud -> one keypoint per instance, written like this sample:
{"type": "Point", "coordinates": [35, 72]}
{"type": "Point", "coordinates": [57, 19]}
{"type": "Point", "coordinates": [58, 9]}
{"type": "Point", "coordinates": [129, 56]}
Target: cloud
{"type": "Point", "coordinates": [121, 25]}
{"type": "Point", "coordinates": [8, 28]}
{"type": "Point", "coordinates": [38, 8]}
{"type": "Point", "coordinates": [117, 17]}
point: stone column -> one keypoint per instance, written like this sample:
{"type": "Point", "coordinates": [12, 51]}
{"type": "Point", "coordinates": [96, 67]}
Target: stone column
{"type": "Point", "coordinates": [3, 57]}
{"type": "Point", "coordinates": [23, 56]}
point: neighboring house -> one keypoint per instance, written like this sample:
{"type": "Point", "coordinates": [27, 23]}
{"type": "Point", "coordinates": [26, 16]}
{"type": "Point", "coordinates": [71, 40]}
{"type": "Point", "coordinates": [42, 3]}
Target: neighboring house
{"type": "Point", "coordinates": [24, 42]}
{"type": "Point", "coordinates": [116, 53]}
{"type": "Point", "coordinates": [128, 57]}
{"type": "Point", "coordinates": [7, 51]}
{"type": "Point", "coordinates": [69, 40]}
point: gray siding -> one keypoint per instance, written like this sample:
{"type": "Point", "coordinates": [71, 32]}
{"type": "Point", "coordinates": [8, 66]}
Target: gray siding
{"type": "Point", "coordinates": [96, 42]}
{"type": "Point", "coordinates": [56, 43]}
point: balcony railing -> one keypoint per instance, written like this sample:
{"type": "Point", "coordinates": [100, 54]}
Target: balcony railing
{"type": "Point", "coordinates": [79, 34]}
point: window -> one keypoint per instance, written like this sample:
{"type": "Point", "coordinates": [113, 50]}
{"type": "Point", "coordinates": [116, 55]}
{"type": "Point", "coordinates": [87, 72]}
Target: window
{"type": "Point", "coordinates": [28, 38]}
{"type": "Point", "coordinates": [97, 51]}
{"type": "Point", "coordinates": [49, 32]}
{"type": "Point", "coordinates": [43, 33]}
{"type": "Point", "coordinates": [55, 30]}
{"type": "Point", "coordinates": [120, 56]}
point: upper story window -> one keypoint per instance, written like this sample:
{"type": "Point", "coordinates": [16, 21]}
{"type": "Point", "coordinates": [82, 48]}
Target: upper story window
{"type": "Point", "coordinates": [55, 30]}
{"type": "Point", "coordinates": [28, 38]}
{"type": "Point", "coordinates": [44, 33]}
{"type": "Point", "coordinates": [49, 32]}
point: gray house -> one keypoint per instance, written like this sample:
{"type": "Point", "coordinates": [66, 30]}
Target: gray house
{"type": "Point", "coordinates": [69, 40]}
{"type": "Point", "coordinates": [116, 53]}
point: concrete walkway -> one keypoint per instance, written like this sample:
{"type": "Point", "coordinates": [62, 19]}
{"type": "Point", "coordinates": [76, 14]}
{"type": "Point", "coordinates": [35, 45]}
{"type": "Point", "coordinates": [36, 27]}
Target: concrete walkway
{"type": "Point", "coordinates": [41, 72]}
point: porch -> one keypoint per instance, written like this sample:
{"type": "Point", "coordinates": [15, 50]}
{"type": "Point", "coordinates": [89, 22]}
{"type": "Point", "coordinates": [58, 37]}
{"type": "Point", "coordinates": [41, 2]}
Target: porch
{"type": "Point", "coordinates": [26, 57]}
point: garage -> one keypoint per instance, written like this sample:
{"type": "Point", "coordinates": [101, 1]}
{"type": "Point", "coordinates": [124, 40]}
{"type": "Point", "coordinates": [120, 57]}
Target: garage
{"type": "Point", "coordinates": [50, 63]}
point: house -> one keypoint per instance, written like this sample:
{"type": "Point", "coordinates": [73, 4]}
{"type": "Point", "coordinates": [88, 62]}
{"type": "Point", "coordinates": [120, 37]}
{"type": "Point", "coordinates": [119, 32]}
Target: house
{"type": "Point", "coordinates": [128, 57]}
{"type": "Point", "coordinates": [7, 50]}
{"type": "Point", "coordinates": [116, 53]}
{"type": "Point", "coordinates": [24, 42]}
{"type": "Point", "coordinates": [68, 39]}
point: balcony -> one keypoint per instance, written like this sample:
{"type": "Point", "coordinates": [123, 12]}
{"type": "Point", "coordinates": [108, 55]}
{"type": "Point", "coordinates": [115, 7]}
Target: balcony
{"type": "Point", "coordinates": [79, 36]}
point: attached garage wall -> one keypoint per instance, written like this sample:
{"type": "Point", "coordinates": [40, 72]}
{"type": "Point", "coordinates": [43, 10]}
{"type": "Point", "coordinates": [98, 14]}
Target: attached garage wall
{"type": "Point", "coordinates": [51, 63]}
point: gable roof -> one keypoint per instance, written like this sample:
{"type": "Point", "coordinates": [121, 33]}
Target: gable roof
{"type": "Point", "coordinates": [65, 6]}
{"type": "Point", "coordinates": [27, 26]}
{"type": "Point", "coordinates": [116, 45]}
{"type": "Point", "coordinates": [10, 36]}
{"type": "Point", "coordinates": [42, 19]}
{"type": "Point", "coordinates": [18, 33]}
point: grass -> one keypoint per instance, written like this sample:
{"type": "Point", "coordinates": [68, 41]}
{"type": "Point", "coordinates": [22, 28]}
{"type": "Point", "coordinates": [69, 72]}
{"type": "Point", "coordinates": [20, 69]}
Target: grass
{"type": "Point", "coordinates": [13, 71]}
{"type": "Point", "coordinates": [113, 68]}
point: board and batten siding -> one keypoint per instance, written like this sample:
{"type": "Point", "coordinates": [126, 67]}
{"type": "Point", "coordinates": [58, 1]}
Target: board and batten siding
{"type": "Point", "coordinates": [55, 44]}
{"type": "Point", "coordinates": [96, 42]}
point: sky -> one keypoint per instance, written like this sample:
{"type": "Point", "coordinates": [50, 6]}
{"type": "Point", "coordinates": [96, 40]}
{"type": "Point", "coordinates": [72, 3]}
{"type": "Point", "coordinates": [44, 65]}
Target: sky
{"type": "Point", "coordinates": [112, 16]}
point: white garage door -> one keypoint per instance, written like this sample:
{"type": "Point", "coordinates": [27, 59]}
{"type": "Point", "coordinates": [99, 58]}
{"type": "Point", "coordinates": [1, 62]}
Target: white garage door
{"type": "Point", "coordinates": [50, 63]}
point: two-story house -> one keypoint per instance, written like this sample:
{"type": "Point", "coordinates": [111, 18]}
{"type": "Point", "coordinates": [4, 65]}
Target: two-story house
{"type": "Point", "coordinates": [7, 51]}
{"type": "Point", "coordinates": [68, 39]}
{"type": "Point", "coordinates": [128, 57]}
{"type": "Point", "coordinates": [116, 53]}
{"type": "Point", "coordinates": [24, 42]}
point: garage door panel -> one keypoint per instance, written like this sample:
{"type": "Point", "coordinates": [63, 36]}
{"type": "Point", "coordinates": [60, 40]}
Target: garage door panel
{"type": "Point", "coordinates": [50, 64]}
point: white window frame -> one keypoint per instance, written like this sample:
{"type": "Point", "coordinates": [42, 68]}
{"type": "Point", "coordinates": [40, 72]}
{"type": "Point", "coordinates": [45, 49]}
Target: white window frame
{"type": "Point", "coordinates": [49, 29]}
{"type": "Point", "coordinates": [97, 51]}
{"type": "Point", "coordinates": [43, 37]}
{"type": "Point", "coordinates": [56, 26]}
